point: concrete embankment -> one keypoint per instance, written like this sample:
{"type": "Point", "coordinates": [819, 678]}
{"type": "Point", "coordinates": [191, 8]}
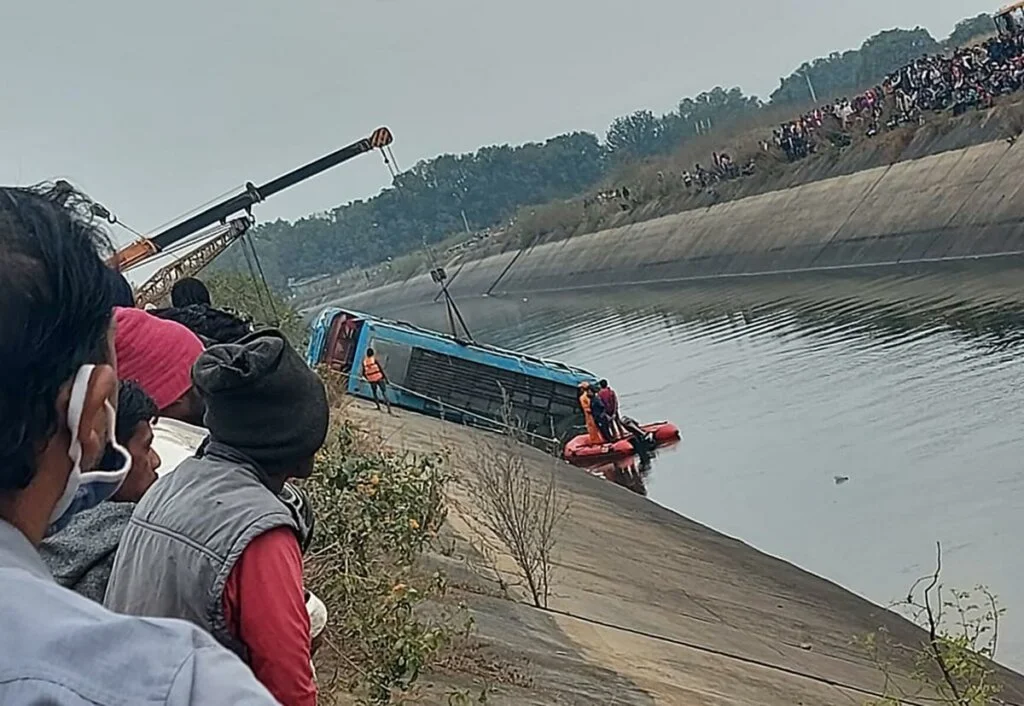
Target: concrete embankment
{"type": "Point", "coordinates": [961, 203]}
{"type": "Point", "coordinates": [649, 607]}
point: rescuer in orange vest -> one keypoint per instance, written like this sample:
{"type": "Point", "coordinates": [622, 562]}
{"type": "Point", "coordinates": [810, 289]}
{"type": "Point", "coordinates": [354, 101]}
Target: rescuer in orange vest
{"type": "Point", "coordinates": [374, 375]}
{"type": "Point", "coordinates": [592, 430]}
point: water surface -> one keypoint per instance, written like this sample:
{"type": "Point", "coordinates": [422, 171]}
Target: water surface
{"type": "Point", "coordinates": [906, 383]}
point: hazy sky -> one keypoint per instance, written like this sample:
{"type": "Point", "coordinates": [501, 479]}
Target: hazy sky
{"type": "Point", "coordinates": [155, 108]}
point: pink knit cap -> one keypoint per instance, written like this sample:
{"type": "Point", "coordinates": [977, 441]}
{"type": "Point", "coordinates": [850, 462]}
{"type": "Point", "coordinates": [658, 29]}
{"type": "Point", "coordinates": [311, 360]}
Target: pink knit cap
{"type": "Point", "coordinates": [156, 353]}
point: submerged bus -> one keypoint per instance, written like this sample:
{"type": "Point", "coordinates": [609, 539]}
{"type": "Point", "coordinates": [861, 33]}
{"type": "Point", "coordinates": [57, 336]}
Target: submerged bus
{"type": "Point", "coordinates": [444, 376]}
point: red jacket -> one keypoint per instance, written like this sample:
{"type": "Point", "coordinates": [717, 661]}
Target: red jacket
{"type": "Point", "coordinates": [611, 401]}
{"type": "Point", "coordinates": [265, 606]}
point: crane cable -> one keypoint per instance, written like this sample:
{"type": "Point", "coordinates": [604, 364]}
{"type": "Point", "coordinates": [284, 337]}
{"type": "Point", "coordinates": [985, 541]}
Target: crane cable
{"type": "Point", "coordinates": [100, 211]}
{"type": "Point", "coordinates": [200, 207]}
{"type": "Point", "coordinates": [264, 295]}
{"type": "Point", "coordinates": [263, 278]}
{"type": "Point", "coordinates": [390, 162]}
{"type": "Point", "coordinates": [450, 305]}
{"type": "Point", "coordinates": [248, 246]}
{"type": "Point", "coordinates": [252, 275]}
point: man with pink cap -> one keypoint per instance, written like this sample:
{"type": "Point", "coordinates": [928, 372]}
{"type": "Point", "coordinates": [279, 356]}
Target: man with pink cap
{"type": "Point", "coordinates": [159, 354]}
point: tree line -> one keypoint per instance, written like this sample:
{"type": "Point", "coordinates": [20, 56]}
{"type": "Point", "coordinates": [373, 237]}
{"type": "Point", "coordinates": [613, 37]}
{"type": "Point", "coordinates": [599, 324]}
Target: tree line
{"type": "Point", "coordinates": [484, 189]}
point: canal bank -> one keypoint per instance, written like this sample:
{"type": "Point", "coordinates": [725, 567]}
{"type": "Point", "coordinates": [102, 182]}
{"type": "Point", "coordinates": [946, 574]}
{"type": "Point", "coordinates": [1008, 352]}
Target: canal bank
{"type": "Point", "coordinates": [959, 204]}
{"type": "Point", "coordinates": [650, 607]}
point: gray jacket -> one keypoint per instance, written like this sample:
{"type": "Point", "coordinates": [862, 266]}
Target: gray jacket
{"type": "Point", "coordinates": [60, 649]}
{"type": "Point", "coordinates": [185, 536]}
{"type": "Point", "coordinates": [81, 555]}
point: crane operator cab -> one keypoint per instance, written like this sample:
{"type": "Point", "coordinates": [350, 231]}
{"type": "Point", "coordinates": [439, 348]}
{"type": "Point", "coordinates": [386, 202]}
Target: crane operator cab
{"type": "Point", "coordinates": [1010, 19]}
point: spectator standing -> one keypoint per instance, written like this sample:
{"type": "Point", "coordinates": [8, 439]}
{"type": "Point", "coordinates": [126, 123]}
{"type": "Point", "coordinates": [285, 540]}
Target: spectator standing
{"type": "Point", "coordinates": [82, 554]}
{"type": "Point", "coordinates": [58, 457]}
{"type": "Point", "coordinates": [213, 542]}
{"type": "Point", "coordinates": [159, 355]}
{"type": "Point", "coordinates": [188, 291]}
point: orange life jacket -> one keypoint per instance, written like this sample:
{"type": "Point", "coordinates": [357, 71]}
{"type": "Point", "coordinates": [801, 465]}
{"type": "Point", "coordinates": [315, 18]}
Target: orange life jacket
{"type": "Point", "coordinates": [585, 403]}
{"type": "Point", "coordinates": [372, 371]}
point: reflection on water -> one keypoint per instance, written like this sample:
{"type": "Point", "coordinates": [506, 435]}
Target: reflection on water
{"type": "Point", "coordinates": [631, 473]}
{"type": "Point", "coordinates": [909, 385]}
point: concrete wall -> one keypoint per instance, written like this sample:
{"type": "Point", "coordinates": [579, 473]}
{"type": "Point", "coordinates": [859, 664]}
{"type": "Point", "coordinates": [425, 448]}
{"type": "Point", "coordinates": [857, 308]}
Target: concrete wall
{"type": "Point", "coordinates": [964, 202]}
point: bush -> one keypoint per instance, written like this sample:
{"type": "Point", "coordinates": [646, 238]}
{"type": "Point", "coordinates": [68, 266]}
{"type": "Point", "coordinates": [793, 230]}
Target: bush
{"type": "Point", "coordinates": [242, 294]}
{"type": "Point", "coordinates": [953, 663]}
{"type": "Point", "coordinates": [524, 513]}
{"type": "Point", "coordinates": [377, 511]}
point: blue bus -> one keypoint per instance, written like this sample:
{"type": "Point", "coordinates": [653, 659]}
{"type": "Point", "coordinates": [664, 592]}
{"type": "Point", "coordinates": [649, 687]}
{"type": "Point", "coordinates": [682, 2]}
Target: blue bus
{"type": "Point", "coordinates": [444, 376]}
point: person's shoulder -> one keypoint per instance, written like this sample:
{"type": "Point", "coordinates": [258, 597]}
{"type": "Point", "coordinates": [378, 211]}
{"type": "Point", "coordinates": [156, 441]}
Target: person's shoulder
{"type": "Point", "coordinates": [74, 651]}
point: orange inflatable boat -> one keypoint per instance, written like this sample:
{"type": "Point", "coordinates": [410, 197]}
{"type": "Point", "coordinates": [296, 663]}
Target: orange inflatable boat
{"type": "Point", "coordinates": [579, 449]}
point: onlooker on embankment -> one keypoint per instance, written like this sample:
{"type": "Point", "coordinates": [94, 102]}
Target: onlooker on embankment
{"type": "Point", "coordinates": [213, 542]}
{"type": "Point", "coordinates": [59, 457]}
{"type": "Point", "coordinates": [81, 555]}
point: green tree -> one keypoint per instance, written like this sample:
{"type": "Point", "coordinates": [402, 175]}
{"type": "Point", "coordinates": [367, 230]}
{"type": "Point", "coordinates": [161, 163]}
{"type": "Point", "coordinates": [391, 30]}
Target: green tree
{"type": "Point", "coordinates": [970, 30]}
{"type": "Point", "coordinates": [427, 203]}
{"type": "Point", "coordinates": [637, 135]}
{"type": "Point", "coordinates": [488, 187]}
{"type": "Point", "coordinates": [838, 74]}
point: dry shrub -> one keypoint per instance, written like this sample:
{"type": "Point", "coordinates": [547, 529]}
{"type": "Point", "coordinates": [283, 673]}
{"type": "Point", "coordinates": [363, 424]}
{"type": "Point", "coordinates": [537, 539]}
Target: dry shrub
{"type": "Point", "coordinates": [525, 513]}
{"type": "Point", "coordinates": [336, 385]}
{"type": "Point", "coordinates": [377, 512]}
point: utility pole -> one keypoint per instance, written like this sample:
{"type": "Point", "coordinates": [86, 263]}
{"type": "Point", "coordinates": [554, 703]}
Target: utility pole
{"type": "Point", "coordinates": [466, 222]}
{"type": "Point", "coordinates": [810, 86]}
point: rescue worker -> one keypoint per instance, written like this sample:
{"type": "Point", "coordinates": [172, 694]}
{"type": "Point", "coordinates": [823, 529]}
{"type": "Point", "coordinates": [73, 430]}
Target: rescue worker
{"type": "Point", "coordinates": [600, 414]}
{"type": "Point", "coordinates": [611, 406]}
{"type": "Point", "coordinates": [374, 375]}
{"type": "Point", "coordinates": [593, 432]}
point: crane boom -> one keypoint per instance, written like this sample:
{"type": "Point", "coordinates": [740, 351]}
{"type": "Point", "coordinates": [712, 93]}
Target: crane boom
{"type": "Point", "coordinates": [220, 212]}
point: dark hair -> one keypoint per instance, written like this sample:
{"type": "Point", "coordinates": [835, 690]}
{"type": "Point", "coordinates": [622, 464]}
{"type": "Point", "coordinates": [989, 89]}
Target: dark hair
{"type": "Point", "coordinates": [602, 384]}
{"type": "Point", "coordinates": [189, 290]}
{"type": "Point", "coordinates": [120, 290]}
{"type": "Point", "coordinates": [215, 325]}
{"type": "Point", "coordinates": [369, 351]}
{"type": "Point", "coordinates": [54, 315]}
{"type": "Point", "coordinates": [133, 406]}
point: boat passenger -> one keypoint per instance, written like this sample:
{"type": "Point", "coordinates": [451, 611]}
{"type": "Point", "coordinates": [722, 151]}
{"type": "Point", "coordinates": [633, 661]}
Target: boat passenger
{"type": "Point", "coordinates": [81, 555]}
{"type": "Point", "coordinates": [585, 398]}
{"type": "Point", "coordinates": [159, 354]}
{"type": "Point", "coordinates": [611, 406]}
{"type": "Point", "coordinates": [212, 542]}
{"type": "Point", "coordinates": [58, 392]}
{"type": "Point", "coordinates": [600, 415]}
{"type": "Point", "coordinates": [374, 374]}
{"type": "Point", "coordinates": [637, 432]}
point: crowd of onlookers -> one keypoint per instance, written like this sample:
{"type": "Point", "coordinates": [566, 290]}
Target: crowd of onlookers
{"type": "Point", "coordinates": [968, 77]}
{"type": "Point", "coordinates": [151, 541]}
{"type": "Point", "coordinates": [723, 168]}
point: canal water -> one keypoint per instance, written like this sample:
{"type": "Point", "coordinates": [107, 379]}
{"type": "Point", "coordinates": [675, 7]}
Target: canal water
{"type": "Point", "coordinates": [845, 421]}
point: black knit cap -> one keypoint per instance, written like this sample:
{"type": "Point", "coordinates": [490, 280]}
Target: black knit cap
{"type": "Point", "coordinates": [262, 399]}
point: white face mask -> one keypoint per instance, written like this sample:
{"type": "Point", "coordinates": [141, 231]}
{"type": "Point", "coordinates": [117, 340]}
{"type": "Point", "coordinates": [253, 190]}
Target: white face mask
{"type": "Point", "coordinates": [87, 489]}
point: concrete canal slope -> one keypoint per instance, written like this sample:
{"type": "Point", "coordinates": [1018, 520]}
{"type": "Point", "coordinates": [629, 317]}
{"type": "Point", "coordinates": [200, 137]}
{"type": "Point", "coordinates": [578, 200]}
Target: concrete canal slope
{"type": "Point", "coordinates": [965, 202]}
{"type": "Point", "coordinates": [653, 608]}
